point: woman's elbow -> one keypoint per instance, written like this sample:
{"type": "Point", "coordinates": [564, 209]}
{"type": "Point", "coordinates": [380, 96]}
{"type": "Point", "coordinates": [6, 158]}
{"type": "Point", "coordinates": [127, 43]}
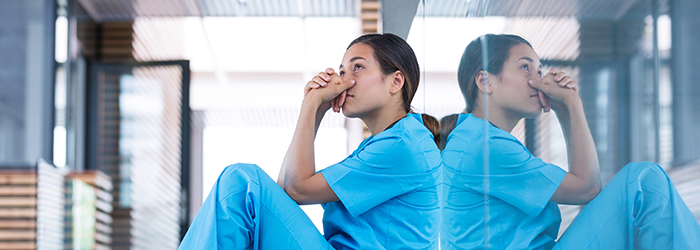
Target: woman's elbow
{"type": "Point", "coordinates": [297, 194]}
{"type": "Point", "coordinates": [592, 191]}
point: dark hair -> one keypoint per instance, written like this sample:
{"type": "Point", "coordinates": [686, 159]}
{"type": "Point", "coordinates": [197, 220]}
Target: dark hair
{"type": "Point", "coordinates": [498, 51]}
{"type": "Point", "coordinates": [447, 124]}
{"type": "Point", "coordinates": [393, 53]}
{"type": "Point", "coordinates": [433, 125]}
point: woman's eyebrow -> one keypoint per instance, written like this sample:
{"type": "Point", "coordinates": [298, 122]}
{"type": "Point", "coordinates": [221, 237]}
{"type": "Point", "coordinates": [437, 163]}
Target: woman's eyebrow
{"type": "Point", "coordinates": [527, 59]}
{"type": "Point", "coordinates": [530, 60]}
{"type": "Point", "coordinates": [352, 60]}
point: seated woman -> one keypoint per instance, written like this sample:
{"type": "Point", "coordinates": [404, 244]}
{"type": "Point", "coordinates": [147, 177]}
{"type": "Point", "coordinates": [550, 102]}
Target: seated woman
{"type": "Point", "coordinates": [382, 196]}
{"type": "Point", "coordinates": [510, 201]}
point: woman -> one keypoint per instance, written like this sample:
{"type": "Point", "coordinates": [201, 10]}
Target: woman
{"type": "Point", "coordinates": [512, 203]}
{"type": "Point", "coordinates": [382, 196]}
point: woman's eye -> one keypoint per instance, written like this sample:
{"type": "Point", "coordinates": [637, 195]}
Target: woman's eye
{"type": "Point", "coordinates": [525, 67]}
{"type": "Point", "coordinates": [342, 73]}
{"type": "Point", "coordinates": [357, 67]}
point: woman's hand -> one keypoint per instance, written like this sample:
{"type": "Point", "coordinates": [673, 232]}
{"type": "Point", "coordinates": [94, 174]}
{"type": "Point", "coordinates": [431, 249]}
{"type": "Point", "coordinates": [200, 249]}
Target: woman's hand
{"type": "Point", "coordinates": [555, 89]}
{"type": "Point", "coordinates": [323, 79]}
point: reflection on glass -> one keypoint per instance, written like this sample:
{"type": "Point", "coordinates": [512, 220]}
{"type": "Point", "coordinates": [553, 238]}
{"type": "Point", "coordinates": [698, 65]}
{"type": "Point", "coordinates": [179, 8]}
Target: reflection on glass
{"type": "Point", "coordinates": [502, 81]}
{"type": "Point", "coordinates": [505, 191]}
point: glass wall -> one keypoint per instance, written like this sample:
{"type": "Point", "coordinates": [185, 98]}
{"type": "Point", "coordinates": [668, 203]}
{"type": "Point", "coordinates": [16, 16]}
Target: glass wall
{"type": "Point", "coordinates": [26, 80]}
{"type": "Point", "coordinates": [621, 55]}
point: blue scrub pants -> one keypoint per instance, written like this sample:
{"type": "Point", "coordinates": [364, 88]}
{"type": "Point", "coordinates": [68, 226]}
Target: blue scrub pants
{"type": "Point", "coordinates": [638, 209]}
{"type": "Point", "coordinates": [246, 209]}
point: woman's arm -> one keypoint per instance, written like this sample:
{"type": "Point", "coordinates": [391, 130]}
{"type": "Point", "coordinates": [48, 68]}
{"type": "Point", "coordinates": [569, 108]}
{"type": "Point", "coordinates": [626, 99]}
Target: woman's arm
{"type": "Point", "coordinates": [298, 175]}
{"type": "Point", "coordinates": [582, 183]}
{"type": "Point", "coordinates": [320, 80]}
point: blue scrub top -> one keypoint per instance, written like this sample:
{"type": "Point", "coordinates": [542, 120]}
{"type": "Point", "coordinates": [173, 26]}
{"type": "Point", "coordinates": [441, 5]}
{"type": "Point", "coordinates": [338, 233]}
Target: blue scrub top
{"type": "Point", "coordinates": [520, 215]}
{"type": "Point", "coordinates": [388, 191]}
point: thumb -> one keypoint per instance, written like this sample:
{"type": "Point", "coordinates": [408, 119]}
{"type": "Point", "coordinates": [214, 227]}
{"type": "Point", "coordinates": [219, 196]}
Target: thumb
{"type": "Point", "coordinates": [348, 84]}
{"type": "Point", "coordinates": [535, 84]}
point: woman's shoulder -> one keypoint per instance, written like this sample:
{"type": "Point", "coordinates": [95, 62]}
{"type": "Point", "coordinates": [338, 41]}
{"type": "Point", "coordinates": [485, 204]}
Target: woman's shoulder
{"type": "Point", "coordinates": [411, 131]}
{"type": "Point", "coordinates": [468, 128]}
{"type": "Point", "coordinates": [407, 136]}
{"type": "Point", "coordinates": [405, 128]}
{"type": "Point", "coordinates": [470, 124]}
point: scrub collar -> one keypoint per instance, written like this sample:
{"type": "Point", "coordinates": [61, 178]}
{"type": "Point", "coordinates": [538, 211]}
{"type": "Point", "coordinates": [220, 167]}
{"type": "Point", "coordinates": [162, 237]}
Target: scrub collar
{"type": "Point", "coordinates": [392, 124]}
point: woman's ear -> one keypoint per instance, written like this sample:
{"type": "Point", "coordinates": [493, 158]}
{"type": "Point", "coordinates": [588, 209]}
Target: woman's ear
{"type": "Point", "coordinates": [482, 82]}
{"type": "Point", "coordinates": [397, 81]}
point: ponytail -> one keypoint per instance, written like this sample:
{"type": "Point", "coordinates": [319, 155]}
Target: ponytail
{"type": "Point", "coordinates": [433, 125]}
{"type": "Point", "coordinates": [447, 124]}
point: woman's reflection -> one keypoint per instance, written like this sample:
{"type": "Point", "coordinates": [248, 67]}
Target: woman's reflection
{"type": "Point", "coordinates": [512, 204]}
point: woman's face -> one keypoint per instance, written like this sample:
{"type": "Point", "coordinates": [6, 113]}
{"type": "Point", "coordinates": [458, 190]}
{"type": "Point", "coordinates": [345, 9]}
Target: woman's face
{"type": "Point", "coordinates": [511, 92]}
{"type": "Point", "coordinates": [372, 88]}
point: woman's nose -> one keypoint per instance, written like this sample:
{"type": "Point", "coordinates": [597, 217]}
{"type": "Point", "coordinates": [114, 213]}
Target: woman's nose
{"type": "Point", "coordinates": [347, 77]}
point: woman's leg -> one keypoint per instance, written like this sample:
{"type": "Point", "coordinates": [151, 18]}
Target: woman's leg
{"type": "Point", "coordinates": [638, 209]}
{"type": "Point", "coordinates": [247, 210]}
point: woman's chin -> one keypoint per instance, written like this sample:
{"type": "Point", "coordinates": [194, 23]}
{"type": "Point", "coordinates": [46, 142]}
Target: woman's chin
{"type": "Point", "coordinates": [532, 113]}
{"type": "Point", "coordinates": [348, 113]}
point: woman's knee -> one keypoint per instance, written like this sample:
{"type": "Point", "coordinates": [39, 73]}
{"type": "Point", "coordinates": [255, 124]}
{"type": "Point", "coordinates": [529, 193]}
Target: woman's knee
{"type": "Point", "coordinates": [650, 173]}
{"type": "Point", "coordinates": [240, 172]}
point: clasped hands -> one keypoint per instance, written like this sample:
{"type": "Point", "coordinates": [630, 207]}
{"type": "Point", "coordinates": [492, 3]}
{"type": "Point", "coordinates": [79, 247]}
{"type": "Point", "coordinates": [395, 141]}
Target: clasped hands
{"type": "Point", "coordinates": [554, 89]}
{"type": "Point", "coordinates": [330, 88]}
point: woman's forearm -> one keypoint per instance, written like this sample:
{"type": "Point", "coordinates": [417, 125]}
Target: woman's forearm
{"type": "Point", "coordinates": [583, 158]}
{"type": "Point", "coordinates": [303, 118]}
{"type": "Point", "coordinates": [299, 163]}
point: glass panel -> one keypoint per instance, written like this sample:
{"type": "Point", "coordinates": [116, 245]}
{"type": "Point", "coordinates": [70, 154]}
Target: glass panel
{"type": "Point", "coordinates": [24, 81]}
{"type": "Point", "coordinates": [137, 141]}
{"type": "Point", "coordinates": [619, 53]}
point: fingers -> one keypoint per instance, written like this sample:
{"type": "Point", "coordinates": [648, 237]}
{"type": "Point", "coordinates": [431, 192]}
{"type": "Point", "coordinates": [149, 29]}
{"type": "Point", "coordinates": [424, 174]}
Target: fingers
{"type": "Point", "coordinates": [568, 82]}
{"type": "Point", "coordinates": [559, 76]}
{"type": "Point", "coordinates": [329, 76]}
{"type": "Point", "coordinates": [563, 79]}
{"type": "Point", "coordinates": [544, 100]}
{"type": "Point", "coordinates": [341, 99]}
{"type": "Point", "coordinates": [334, 105]}
{"type": "Point", "coordinates": [309, 86]}
{"type": "Point", "coordinates": [315, 83]}
{"type": "Point", "coordinates": [329, 86]}
{"type": "Point", "coordinates": [322, 79]}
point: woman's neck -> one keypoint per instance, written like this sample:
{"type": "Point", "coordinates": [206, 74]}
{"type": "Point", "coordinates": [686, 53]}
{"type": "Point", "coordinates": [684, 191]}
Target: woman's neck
{"type": "Point", "coordinates": [499, 118]}
{"type": "Point", "coordinates": [381, 119]}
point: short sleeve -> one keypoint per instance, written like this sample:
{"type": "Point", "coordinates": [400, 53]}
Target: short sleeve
{"type": "Point", "coordinates": [519, 178]}
{"type": "Point", "coordinates": [384, 168]}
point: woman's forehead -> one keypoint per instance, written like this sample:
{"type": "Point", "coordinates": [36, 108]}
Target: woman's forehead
{"type": "Point", "coordinates": [358, 51]}
{"type": "Point", "coordinates": [522, 51]}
